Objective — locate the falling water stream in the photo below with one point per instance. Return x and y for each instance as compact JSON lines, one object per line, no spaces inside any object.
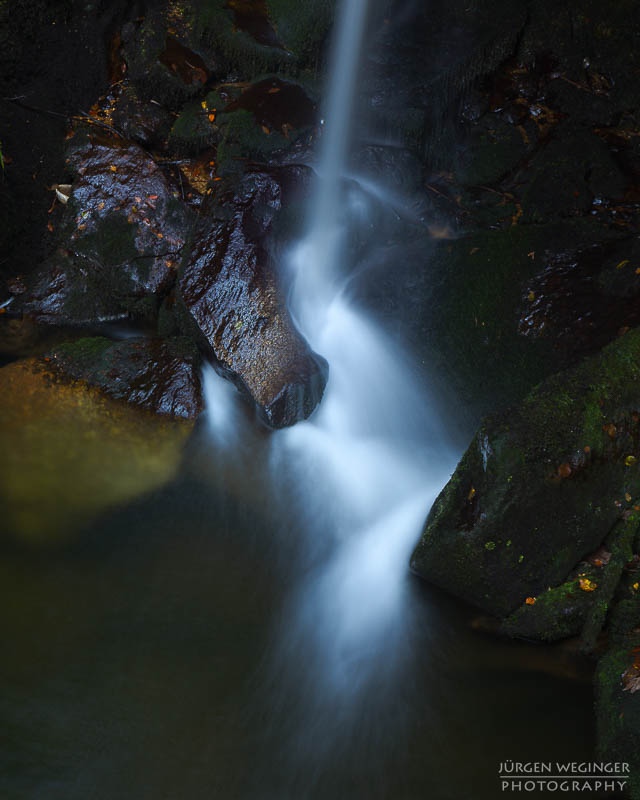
{"x":367,"y":465}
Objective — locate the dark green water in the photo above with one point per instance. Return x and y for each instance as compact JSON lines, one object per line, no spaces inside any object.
{"x":149,"y":658}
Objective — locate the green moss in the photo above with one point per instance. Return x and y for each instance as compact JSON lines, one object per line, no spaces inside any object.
{"x":557,"y":613}
{"x":618,"y":713}
{"x":242,"y":138}
{"x":85,"y":353}
{"x":192,"y":131}
{"x":303,"y":27}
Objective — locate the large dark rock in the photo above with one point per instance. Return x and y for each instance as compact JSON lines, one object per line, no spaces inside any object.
{"x":617,"y":681}
{"x":234,"y":299}
{"x":540,"y":486}
{"x":123,"y":230}
{"x":162,"y":376}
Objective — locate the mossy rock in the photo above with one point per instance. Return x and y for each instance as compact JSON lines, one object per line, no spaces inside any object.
{"x":473,"y":303}
{"x":192,"y":130}
{"x":540,"y":486}
{"x":557,"y":613}
{"x":618,"y":712}
{"x":242,"y":139}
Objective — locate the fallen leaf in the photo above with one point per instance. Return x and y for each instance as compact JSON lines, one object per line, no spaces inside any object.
{"x":63,"y":192}
{"x":564,"y":470}
{"x":471,"y":494}
{"x":212,"y":117}
{"x":588,"y":586}
{"x":113,"y":168}
{"x":275,"y":90}
{"x":531,"y":297}
{"x":627,"y":497}
{"x":50,"y":226}
{"x":630,"y":461}
{"x":631,"y":679}
{"x":622,"y":263}
{"x":610,"y":429}
{"x":265,"y":129}
{"x":530,"y":601}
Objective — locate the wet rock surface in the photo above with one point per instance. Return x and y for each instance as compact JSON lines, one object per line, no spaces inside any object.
{"x":180,"y":114}
{"x":123,"y":230}
{"x":160,"y":375}
{"x":526,"y":133}
{"x":230,"y":292}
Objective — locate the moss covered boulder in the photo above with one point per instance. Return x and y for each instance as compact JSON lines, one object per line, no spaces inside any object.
{"x":540,"y":486}
{"x":617,"y":680}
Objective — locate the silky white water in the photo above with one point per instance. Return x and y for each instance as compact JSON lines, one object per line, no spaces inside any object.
{"x":356,"y":480}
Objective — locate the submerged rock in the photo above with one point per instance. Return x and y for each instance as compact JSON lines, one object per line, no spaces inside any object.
{"x":70,"y":453}
{"x":159,"y":375}
{"x":540,"y":486}
{"x":233,"y":298}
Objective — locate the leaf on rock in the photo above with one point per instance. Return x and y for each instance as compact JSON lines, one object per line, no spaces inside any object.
{"x":631,"y":680}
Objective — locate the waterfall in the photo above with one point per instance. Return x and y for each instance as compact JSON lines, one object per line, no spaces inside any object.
{"x":355,"y":481}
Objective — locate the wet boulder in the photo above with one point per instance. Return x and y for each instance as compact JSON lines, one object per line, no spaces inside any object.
{"x":122,"y":232}
{"x":541,"y":486}
{"x":160,"y":375}
{"x":146,"y":122}
{"x":234,"y":302}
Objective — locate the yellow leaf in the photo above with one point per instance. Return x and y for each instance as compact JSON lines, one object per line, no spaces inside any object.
{"x":622,"y":263}
{"x":630,"y":461}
